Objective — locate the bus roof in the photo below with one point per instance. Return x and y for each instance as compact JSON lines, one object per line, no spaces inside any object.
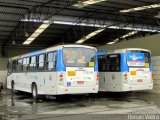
{"x":125,"y":49}
{"x":48,"y":50}
{"x":103,"y":52}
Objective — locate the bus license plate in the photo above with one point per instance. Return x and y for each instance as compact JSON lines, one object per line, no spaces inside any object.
{"x":80,"y":82}
{"x":139,"y":80}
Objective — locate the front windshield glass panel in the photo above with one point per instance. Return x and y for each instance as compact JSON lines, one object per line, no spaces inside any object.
{"x":79,"y":57}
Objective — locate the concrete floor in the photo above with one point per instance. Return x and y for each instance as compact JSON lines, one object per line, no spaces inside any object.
{"x":113,"y":106}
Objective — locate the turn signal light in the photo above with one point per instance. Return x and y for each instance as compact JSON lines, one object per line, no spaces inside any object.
{"x":61,"y":77}
{"x":97,"y":76}
{"x":125,"y":76}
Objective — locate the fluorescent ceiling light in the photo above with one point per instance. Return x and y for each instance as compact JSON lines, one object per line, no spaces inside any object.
{"x":124,"y":36}
{"x":27,"y":42}
{"x":36,"y":33}
{"x":110,"y":43}
{"x":131,"y":28}
{"x":30,"y":39}
{"x":89,"y":36}
{"x":129,"y":34}
{"x":158,"y":15}
{"x":39,"y":30}
{"x":44,"y":26}
{"x":34,"y":20}
{"x":81,"y":40}
{"x":80,"y":24}
{"x":81,"y":4}
{"x":140,"y":8}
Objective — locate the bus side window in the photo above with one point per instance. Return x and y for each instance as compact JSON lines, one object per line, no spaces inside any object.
{"x":102,"y":63}
{"x":32,"y":66}
{"x":41,"y":62}
{"x":9,"y":66}
{"x":55,"y":59}
{"x":14,"y":64}
{"x":19,"y":65}
{"x":25,"y":64}
{"x":113,"y":62}
{"x":51,"y":61}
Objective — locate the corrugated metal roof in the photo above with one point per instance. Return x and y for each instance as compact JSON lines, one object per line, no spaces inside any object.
{"x":12,"y":12}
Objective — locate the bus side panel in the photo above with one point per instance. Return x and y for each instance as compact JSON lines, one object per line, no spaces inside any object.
{"x":111,"y":81}
{"x":46,"y":82}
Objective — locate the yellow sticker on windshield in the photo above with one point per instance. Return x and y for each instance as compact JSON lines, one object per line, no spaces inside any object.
{"x":91,"y":64}
{"x":147,"y":64}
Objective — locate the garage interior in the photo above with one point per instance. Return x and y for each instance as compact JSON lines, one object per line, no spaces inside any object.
{"x":29,"y":25}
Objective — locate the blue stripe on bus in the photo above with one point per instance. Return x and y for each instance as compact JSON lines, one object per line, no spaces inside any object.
{"x":96,"y":65}
{"x":102,"y":52}
{"x":151,"y":67}
{"x":60,"y":65}
{"x":124,"y":66}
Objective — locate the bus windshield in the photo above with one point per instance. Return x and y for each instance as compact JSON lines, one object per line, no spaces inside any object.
{"x":138,"y":58}
{"x":79,"y":57}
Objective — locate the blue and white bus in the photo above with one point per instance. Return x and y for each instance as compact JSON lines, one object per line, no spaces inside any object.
{"x":125,"y":70}
{"x":63,"y":69}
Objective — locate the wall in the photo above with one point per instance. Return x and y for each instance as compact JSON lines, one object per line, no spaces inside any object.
{"x":3,"y":70}
{"x":150,"y":42}
{"x":156,"y":74}
{"x":14,"y":51}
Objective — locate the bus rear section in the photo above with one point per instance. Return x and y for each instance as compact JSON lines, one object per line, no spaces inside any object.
{"x":80,"y":73}
{"x":125,"y":70}
{"x":139,"y":75}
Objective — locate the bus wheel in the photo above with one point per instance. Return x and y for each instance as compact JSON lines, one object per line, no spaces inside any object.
{"x":34,"y":92}
{"x":12,"y":87}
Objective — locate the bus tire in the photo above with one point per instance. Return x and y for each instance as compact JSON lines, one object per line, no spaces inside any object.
{"x":34,"y":92}
{"x":12,"y":87}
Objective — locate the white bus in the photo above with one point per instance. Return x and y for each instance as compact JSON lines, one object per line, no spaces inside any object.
{"x":125,"y":70}
{"x":63,"y":69}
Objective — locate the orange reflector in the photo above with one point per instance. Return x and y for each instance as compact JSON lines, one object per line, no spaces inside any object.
{"x":71,"y":73}
{"x":132,"y":72}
